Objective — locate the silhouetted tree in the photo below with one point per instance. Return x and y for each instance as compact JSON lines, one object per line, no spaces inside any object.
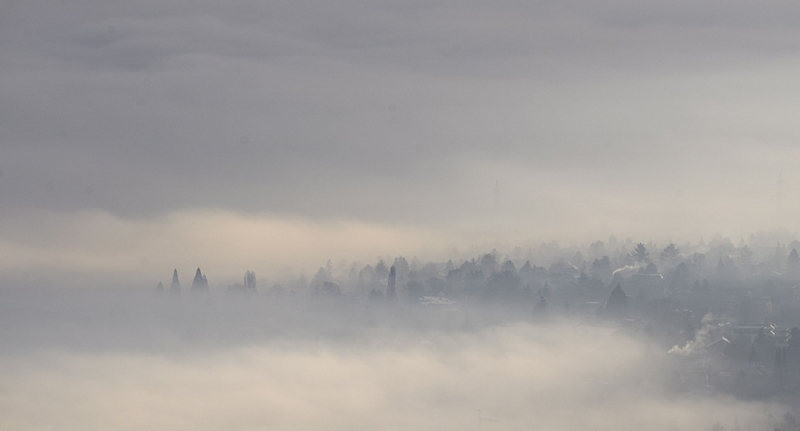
{"x":200,"y":283}
{"x":617,"y":304}
{"x":175,"y":287}
{"x":597,"y":248}
{"x":488,"y":263}
{"x":250,"y":280}
{"x":527,"y":272}
{"x":745,"y":256}
{"x":381,"y":270}
{"x":319,"y":278}
{"x":366,"y":276}
{"x":697,"y":260}
{"x":651,"y":268}
{"x":503,"y":285}
{"x":793,"y":262}
{"x":601,"y":267}
{"x":401,"y":266}
{"x":670,"y":253}
{"x":640,"y":254}
{"x":329,"y":288}
{"x":541,"y":303}
{"x":390,"y":293}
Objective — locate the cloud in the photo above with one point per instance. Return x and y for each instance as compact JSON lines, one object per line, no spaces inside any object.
{"x":588,"y":114}
{"x":526,"y":376}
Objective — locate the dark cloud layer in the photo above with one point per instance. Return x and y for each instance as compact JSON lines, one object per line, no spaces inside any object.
{"x":392,"y":111}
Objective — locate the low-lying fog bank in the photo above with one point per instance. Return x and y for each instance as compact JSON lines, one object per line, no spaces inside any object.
{"x":115,"y":362}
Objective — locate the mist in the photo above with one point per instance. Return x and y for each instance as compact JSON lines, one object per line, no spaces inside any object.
{"x":302,"y":214}
{"x":119,"y":362}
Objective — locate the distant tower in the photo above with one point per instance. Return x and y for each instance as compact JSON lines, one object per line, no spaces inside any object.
{"x":175,"y":287}
{"x":392,"y":282}
{"x":780,"y":192}
{"x":160,"y":288}
{"x":496,"y":192}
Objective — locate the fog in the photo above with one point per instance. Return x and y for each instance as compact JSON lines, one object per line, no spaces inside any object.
{"x":612,"y":335}
{"x":304,"y":214}
{"x":130,"y":362}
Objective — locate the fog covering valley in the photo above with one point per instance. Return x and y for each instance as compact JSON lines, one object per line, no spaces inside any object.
{"x":413,"y":215}
{"x":701,"y":338}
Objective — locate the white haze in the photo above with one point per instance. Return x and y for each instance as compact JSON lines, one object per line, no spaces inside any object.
{"x":130,"y":362}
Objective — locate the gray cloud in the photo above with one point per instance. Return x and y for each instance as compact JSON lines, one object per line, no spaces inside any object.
{"x":383,"y":111}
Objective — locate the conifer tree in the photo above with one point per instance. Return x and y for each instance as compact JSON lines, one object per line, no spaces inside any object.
{"x":390,"y":294}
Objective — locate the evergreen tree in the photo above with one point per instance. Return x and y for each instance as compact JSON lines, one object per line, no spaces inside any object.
{"x":401,"y":266}
{"x":200,"y":283}
{"x":745,"y":256}
{"x":250,"y":280}
{"x":640,"y":254}
{"x":320,"y":277}
{"x":488,"y":263}
{"x":390,"y":293}
{"x":651,"y":268}
{"x":617,"y":304}
{"x":793,"y":262}
{"x":670,"y":253}
{"x":541,"y":304}
{"x":175,"y":287}
{"x":381,"y":270}
{"x":527,"y":272}
{"x":329,"y":288}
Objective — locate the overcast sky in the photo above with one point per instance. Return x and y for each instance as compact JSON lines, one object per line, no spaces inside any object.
{"x":136,"y":135}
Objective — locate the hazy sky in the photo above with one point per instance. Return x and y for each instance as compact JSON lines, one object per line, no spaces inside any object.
{"x":135,"y":136}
